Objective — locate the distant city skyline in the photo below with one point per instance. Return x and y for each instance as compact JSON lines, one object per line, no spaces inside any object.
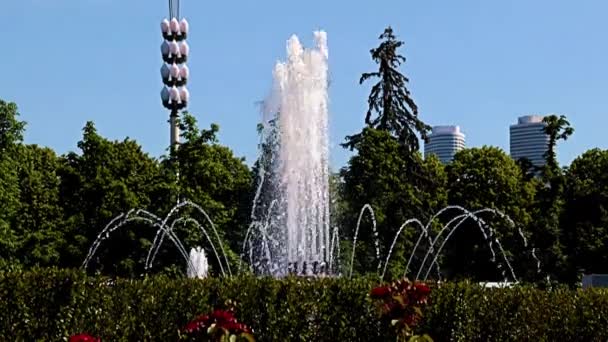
{"x":527,"y":139}
{"x":477,"y":64}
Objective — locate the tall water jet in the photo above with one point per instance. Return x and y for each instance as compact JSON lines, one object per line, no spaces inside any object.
{"x":296,"y":119}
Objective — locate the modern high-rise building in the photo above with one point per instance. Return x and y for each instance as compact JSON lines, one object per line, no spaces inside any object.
{"x":444,"y":142}
{"x":529,"y":140}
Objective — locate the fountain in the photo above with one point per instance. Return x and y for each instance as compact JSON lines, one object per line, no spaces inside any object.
{"x":165,"y":227}
{"x":290,"y":228}
{"x":451,"y":227}
{"x":296,"y":239}
{"x":197,"y":265}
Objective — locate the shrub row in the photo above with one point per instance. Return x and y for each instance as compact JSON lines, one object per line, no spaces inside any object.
{"x":465,"y":312}
{"x":50,"y":305}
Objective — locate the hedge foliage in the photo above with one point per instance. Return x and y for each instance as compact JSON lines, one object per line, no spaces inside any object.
{"x":49,"y":305}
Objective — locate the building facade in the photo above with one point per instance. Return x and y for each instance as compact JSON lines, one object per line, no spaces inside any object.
{"x":444,"y":142}
{"x":529,"y":140}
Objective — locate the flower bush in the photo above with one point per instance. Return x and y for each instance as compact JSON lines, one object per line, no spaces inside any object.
{"x":220,"y":325}
{"x":400,"y":304}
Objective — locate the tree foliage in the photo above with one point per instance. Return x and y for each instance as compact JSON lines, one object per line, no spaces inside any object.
{"x":39,"y":221}
{"x":389,"y":99}
{"x":377,"y":175}
{"x":54,"y":207}
{"x":263,"y":169}
{"x":104,"y":180}
{"x":388,"y":172}
{"x":548,"y":207}
{"x":211,"y":176}
{"x":11,"y":129}
{"x":557,"y":128}
{"x":11,"y":135}
{"x":481,"y":178}
{"x":585,"y":216}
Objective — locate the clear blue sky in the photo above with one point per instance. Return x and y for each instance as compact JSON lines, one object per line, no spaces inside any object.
{"x":476,"y":63}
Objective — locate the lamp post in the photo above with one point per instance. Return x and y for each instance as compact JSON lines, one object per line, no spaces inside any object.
{"x":174,"y":72}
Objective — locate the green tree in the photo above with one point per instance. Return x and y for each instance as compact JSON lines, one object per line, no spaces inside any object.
{"x":11,"y":129}
{"x":557,"y":128}
{"x":39,"y":222}
{"x":211,"y":176}
{"x":549,"y":199}
{"x":392,"y":176}
{"x":377,"y":175}
{"x":585,"y":216}
{"x":481,"y":178}
{"x":528,"y":170}
{"x":11,"y":135}
{"x":30,"y":215}
{"x":391,"y":101}
{"x":263,"y":188}
{"x":9,"y":197}
{"x":108,"y":178}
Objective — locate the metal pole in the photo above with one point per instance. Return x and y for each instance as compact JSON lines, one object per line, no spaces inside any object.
{"x":174,"y":129}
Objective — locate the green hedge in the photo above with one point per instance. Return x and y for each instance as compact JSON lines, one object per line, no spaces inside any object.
{"x":49,"y":305}
{"x":463,"y":312}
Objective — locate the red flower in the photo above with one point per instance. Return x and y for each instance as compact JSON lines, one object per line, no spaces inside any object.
{"x":222,"y":316}
{"x":83,"y":338}
{"x":422,"y":289}
{"x":223,"y":319}
{"x":420,"y":293}
{"x":380,"y":292}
